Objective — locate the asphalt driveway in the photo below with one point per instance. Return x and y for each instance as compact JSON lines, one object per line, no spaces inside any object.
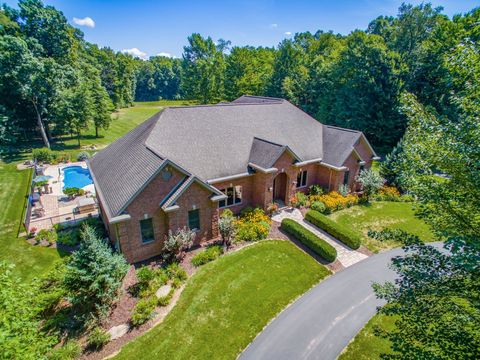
{"x":322,"y":322}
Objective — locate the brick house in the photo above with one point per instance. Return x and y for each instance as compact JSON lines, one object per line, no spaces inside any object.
{"x":184,"y":165}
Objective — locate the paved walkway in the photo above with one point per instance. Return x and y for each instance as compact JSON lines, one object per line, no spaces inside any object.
{"x":346,"y":256}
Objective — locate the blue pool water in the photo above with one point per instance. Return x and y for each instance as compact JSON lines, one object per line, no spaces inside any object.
{"x":76,"y":177}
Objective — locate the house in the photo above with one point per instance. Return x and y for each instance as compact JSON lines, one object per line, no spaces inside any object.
{"x":184,"y":165}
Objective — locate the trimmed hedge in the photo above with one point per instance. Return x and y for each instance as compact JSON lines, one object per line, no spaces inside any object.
{"x":344,"y":234}
{"x":306,"y":237}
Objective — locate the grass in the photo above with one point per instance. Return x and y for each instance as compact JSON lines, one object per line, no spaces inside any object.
{"x":30,"y":261}
{"x":380,"y":215}
{"x":366,"y":345}
{"x":228,"y":302}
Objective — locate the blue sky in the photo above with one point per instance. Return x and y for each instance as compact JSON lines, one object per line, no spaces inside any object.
{"x":155,"y":27}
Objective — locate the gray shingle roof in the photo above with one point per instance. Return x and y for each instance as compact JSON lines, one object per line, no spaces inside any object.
{"x":264,"y":153}
{"x":215,"y":141}
{"x":338,"y":144}
{"x":124,"y":167}
{"x":211,"y":142}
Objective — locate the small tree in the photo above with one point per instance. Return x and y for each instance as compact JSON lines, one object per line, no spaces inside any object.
{"x":226,"y":227}
{"x":176,"y":243}
{"x":371,"y":182}
{"x":94,"y":274}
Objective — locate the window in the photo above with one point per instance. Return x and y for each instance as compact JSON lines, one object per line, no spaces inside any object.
{"x":302,"y":179}
{"x":362,"y":167}
{"x":194,"y":219}
{"x":146,"y":228}
{"x":234,"y":196}
{"x":345,"y":177}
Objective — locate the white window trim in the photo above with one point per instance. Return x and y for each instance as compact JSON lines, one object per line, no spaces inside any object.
{"x":234,"y":204}
{"x":306,"y":179}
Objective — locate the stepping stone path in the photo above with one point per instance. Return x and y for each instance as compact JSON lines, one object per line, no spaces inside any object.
{"x":163,"y":291}
{"x":118,"y":331}
{"x":346,"y":256}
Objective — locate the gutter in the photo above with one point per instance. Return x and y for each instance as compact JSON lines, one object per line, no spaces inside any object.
{"x":333,"y":167}
{"x":263,"y":170}
{"x":306,"y":162}
{"x":120,"y":218}
{"x":226,"y":178}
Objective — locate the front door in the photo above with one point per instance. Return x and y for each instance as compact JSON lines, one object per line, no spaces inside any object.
{"x":280,"y":187}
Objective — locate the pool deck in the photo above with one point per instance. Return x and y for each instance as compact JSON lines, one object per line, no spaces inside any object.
{"x":56,"y":207}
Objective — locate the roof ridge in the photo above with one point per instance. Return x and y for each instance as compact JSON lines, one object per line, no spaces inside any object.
{"x":262,"y":97}
{"x":270,"y":142}
{"x":276,"y":102}
{"x":344,"y":129}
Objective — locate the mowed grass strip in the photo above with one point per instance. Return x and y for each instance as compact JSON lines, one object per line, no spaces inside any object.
{"x":380,"y":215}
{"x":368,"y":346}
{"x":228,"y":302}
{"x":30,"y":261}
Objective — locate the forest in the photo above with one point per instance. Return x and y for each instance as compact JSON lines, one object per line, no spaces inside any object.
{"x":54,"y":83}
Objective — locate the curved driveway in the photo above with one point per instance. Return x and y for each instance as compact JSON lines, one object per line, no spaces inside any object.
{"x":321,"y":323}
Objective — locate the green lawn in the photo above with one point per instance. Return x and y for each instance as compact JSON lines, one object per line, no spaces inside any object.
{"x":30,"y":260}
{"x":366,"y":345}
{"x":380,"y":215}
{"x":228,"y":302}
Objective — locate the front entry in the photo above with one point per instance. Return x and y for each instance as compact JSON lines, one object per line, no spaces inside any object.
{"x":280,"y":187}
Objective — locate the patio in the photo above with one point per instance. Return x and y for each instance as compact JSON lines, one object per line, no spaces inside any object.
{"x":51,"y":206}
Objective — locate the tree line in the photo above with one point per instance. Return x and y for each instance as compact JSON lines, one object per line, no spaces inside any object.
{"x":64,"y":84}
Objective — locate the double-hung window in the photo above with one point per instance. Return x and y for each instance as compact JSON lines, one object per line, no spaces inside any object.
{"x":146,"y":229}
{"x":345,"y":177}
{"x":234,"y":196}
{"x":194,"y":219}
{"x":302,"y":179}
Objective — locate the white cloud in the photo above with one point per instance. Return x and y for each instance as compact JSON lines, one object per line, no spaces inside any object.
{"x":288,"y":33}
{"x":135,"y":52}
{"x":165,"y":54}
{"x":86,"y":21}
{"x":273,"y":26}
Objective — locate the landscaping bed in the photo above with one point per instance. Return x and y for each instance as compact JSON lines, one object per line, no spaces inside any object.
{"x":228,"y":301}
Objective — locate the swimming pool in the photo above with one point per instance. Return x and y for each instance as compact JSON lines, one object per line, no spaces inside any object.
{"x":76,"y":177}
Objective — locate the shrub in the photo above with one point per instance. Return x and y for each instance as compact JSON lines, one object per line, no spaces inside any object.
{"x":175,"y":271}
{"x":271,"y":208}
{"x":72,"y":192}
{"x":143,"y":311}
{"x":47,"y":235}
{"x":176,"y":243}
{"x":83,"y":155}
{"x":306,"y":237}
{"x":343,"y":190}
{"x":253,"y":225}
{"x":301,"y":199}
{"x":371,"y":182}
{"x":344,"y":234}
{"x":315,"y":190}
{"x":318,"y":206}
{"x":207,"y":255}
{"x":43,"y":155}
{"x":69,"y":237}
{"x":388,"y":193}
{"x":97,"y":338}
{"x":69,"y":351}
{"x":94,"y":274}
{"x":226,"y":227}
{"x":334,"y":201}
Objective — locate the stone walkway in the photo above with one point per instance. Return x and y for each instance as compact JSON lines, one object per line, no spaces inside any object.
{"x":346,"y":256}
